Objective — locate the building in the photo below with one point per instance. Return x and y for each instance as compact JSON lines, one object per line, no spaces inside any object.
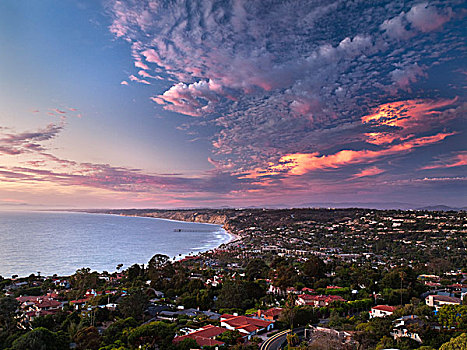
{"x":382,"y":311}
{"x":438,"y":301}
{"x":270,"y":314}
{"x":317,"y":300}
{"x":404,"y":327}
{"x":247,"y":326}
{"x":205,"y":336}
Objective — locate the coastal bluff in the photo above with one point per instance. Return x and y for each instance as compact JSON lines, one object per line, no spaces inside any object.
{"x":206,"y":216}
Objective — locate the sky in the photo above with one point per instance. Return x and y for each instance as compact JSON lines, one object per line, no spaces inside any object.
{"x":200,"y":103}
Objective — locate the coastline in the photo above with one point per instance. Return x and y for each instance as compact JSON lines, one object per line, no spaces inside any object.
{"x":216,"y":236}
{"x":232,"y":236}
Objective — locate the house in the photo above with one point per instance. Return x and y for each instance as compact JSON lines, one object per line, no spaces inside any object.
{"x":79,"y":303}
{"x":317,"y":300}
{"x":205,"y":336}
{"x":247,"y":326}
{"x":275,"y":290}
{"x":438,"y":301}
{"x":35,"y":306}
{"x":382,"y":311}
{"x":270,"y":314}
{"x":404,"y":327}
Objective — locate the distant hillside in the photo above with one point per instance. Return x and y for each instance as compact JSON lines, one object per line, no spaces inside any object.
{"x":441,"y":208}
{"x":363,"y":205}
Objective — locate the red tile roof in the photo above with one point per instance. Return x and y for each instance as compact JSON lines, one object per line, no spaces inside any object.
{"x":42,"y":304}
{"x":248,"y":327}
{"x":275,"y":311}
{"x":239,"y":321}
{"x":386,"y":308}
{"x":203,"y":336}
{"x":209,"y":331}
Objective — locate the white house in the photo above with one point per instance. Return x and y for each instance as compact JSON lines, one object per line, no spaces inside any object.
{"x":382,"y":311}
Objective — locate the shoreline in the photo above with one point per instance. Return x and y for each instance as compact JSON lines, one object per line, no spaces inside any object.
{"x":222,"y":237}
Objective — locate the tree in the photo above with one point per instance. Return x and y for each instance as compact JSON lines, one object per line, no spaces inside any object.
{"x":453,"y":316}
{"x":458,"y":343}
{"x":314,"y":267}
{"x":255,"y":269}
{"x":385,"y":343}
{"x":289,"y":312}
{"x":373,"y":331}
{"x":286,"y":277}
{"x":40,"y":339}
{"x":292,"y":340}
{"x":159,"y":268}
{"x":239,"y":294}
{"x":133,"y":305}
{"x":88,"y":339}
{"x":117,"y":329}
{"x":230,"y":337}
{"x":153,"y":333}
{"x":187,"y":344}
{"x":8,"y":307}
{"x":158,"y":261}
{"x":230,"y":295}
{"x":82,"y":280}
{"x":134,"y":271}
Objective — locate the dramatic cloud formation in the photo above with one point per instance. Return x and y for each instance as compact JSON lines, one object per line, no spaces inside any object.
{"x":281,"y":101}
{"x":274,"y":90}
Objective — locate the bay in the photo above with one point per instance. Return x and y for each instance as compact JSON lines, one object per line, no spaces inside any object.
{"x":62,"y":242}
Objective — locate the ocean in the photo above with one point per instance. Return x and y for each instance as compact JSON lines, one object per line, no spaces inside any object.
{"x":62,"y":242}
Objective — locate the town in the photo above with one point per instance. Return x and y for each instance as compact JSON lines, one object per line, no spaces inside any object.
{"x":290,"y":279}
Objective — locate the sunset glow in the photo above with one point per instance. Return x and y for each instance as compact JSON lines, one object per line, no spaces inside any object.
{"x":155,"y":104}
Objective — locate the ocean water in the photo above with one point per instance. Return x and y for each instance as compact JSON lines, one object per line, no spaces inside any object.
{"x":62,"y":242}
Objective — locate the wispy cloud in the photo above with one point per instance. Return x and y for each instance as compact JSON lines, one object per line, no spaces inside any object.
{"x":372,"y":171}
{"x":448,"y":161}
{"x":302,"y":163}
{"x":25,"y":142}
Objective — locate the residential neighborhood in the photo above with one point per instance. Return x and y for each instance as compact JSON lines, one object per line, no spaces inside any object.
{"x":322,"y":276}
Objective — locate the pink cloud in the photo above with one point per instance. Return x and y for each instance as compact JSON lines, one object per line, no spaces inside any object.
{"x":158,"y":100}
{"x":372,"y":171}
{"x":145,"y":74}
{"x":138,"y":80}
{"x":459,"y":159}
{"x":380,"y":138}
{"x":123,"y":82}
{"x":140,"y":64}
{"x":406,"y":119}
{"x":428,"y":18}
{"x":420,"y":18}
{"x":27,"y":142}
{"x":403,"y":77}
{"x":302,"y":163}
{"x":152,"y":56}
{"x":192,"y":99}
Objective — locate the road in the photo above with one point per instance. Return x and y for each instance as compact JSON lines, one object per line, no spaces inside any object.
{"x":276,"y":341}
